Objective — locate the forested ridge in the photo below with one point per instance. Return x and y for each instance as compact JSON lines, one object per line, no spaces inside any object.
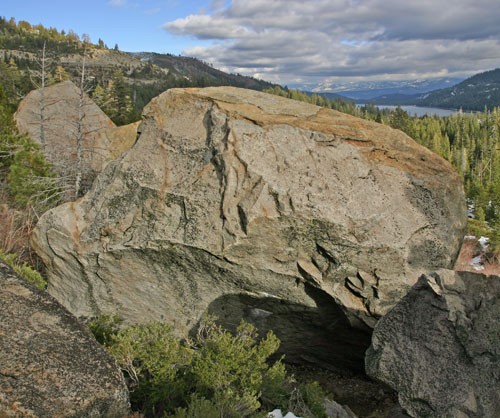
{"x":120,"y":82}
{"x":479,"y":92}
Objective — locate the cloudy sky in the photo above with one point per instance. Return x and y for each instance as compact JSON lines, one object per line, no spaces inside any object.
{"x":308,"y":42}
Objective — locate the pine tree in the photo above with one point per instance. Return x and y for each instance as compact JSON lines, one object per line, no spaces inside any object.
{"x":60,"y":74}
{"x":121,"y":105}
{"x":102,"y":99}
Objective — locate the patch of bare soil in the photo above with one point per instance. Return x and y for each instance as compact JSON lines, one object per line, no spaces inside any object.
{"x":470,"y":250}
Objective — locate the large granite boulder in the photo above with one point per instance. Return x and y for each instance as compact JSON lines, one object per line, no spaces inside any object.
{"x":50,"y":364}
{"x":297,"y":218}
{"x":60,"y":119}
{"x":440,"y":347}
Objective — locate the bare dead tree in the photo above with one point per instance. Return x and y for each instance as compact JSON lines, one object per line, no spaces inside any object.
{"x":79,"y":130}
{"x":38,"y":77}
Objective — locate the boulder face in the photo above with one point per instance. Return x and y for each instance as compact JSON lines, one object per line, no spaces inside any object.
{"x":249,"y":205}
{"x":110,"y":143}
{"x":57,"y":116}
{"x":440,"y":347}
{"x":50,"y":365}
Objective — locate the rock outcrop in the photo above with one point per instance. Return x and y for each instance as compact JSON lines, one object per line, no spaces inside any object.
{"x":440,"y":347}
{"x":58,"y":117}
{"x":50,"y":365}
{"x":295,"y":217}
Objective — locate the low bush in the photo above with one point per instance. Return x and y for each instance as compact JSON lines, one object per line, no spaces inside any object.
{"x":31,"y":180}
{"x":104,"y":328}
{"x":215,"y":374}
{"x":24,"y":270}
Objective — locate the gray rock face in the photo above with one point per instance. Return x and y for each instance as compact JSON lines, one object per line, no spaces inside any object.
{"x":50,"y":365}
{"x":294,"y":217}
{"x":440,"y":347}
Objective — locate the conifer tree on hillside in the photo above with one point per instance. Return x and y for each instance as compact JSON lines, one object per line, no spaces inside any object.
{"x":120,"y":106}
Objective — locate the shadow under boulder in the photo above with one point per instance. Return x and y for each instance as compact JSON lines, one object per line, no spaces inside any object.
{"x":318,"y":335}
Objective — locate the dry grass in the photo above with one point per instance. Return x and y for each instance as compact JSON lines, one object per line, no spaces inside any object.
{"x":470,"y":249}
{"x":16,"y":227}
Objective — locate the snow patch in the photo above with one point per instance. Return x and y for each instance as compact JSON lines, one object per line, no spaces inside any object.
{"x":483,"y":241}
{"x":476,"y":263}
{"x":278,"y":414}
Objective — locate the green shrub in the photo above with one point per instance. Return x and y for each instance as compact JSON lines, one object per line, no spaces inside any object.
{"x":154,"y":362}
{"x":30,"y":177}
{"x":104,"y":328}
{"x":494,"y":243}
{"x":198,"y":408}
{"x":492,"y":231}
{"x":24,"y":270}
{"x":231,"y":368}
{"x":215,"y":374}
{"x":276,"y":387}
{"x":314,"y":397}
{"x":10,"y":144}
{"x":477,"y":227}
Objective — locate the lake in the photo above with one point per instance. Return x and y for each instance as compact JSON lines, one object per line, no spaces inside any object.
{"x":419,"y":110}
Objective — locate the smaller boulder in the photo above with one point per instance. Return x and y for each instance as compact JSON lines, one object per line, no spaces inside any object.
{"x":439,"y":347}
{"x":74,"y":134}
{"x":50,"y":364}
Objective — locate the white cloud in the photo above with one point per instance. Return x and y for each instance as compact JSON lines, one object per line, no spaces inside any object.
{"x":206,"y":27}
{"x":117,"y":3}
{"x":314,"y":40}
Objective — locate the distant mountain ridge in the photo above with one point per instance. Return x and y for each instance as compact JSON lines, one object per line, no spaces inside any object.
{"x":475,"y":93}
{"x":367,"y":90}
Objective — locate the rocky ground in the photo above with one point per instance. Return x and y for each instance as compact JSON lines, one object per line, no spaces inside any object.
{"x":366,"y":398}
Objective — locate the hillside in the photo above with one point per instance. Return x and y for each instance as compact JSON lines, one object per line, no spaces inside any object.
{"x":26,"y":48}
{"x":199,"y":71}
{"x":475,"y":93}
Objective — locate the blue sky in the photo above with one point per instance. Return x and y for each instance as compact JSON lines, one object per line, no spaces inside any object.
{"x":315,"y":44}
{"x":134,"y":25}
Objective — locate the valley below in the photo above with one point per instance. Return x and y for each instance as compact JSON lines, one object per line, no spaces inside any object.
{"x":417,"y":111}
